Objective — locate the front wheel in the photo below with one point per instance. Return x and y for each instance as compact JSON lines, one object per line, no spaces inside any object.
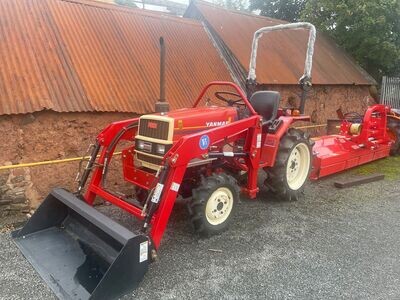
{"x":292,"y":166}
{"x":213,"y":204}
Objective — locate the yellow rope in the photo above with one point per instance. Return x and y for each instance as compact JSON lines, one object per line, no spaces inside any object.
{"x":311,"y":126}
{"x":60,"y":161}
{"x":47,"y":162}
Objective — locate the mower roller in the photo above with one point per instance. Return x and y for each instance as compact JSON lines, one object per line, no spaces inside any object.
{"x":198,"y":154}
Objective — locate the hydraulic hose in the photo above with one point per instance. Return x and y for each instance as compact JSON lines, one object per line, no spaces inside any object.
{"x":113,"y":143}
{"x":86,"y":172}
{"x":155,"y":197}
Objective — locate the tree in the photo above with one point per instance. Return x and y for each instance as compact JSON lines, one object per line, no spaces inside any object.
{"x":289,"y":10}
{"x":369,"y":30}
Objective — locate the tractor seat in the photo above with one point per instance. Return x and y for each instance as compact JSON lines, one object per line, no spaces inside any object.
{"x":266,"y":104}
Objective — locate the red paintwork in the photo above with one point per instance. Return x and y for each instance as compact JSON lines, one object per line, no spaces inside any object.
{"x":185,"y":148}
{"x":335,"y":153}
{"x":270,"y":142}
{"x":192,"y":119}
{"x":134,"y":175}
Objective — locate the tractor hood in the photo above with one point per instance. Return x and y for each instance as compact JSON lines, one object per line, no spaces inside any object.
{"x":158,"y":132}
{"x":189,"y":120}
{"x":201,"y":118}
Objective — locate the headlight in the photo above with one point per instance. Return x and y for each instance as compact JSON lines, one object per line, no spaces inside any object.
{"x":139,"y":144}
{"x":160,"y":149}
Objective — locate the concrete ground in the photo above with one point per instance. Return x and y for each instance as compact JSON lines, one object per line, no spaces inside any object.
{"x":333,"y":244}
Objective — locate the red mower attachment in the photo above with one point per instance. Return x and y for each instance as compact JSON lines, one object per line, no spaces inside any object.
{"x":362,"y":139}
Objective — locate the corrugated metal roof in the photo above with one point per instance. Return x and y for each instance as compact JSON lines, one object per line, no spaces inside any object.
{"x":281,"y":55}
{"x":89,"y":56}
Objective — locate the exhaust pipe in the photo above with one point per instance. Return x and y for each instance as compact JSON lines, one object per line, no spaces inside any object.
{"x":162,"y":105}
{"x":81,"y":253}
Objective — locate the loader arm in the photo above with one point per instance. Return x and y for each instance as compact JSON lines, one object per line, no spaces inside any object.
{"x":187,"y":148}
{"x":107,"y":135}
{"x":107,"y":140}
{"x":176,"y":160}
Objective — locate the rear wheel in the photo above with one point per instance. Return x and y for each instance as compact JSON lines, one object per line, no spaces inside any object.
{"x":213,"y":204}
{"x":394,"y":133}
{"x":292,"y":166}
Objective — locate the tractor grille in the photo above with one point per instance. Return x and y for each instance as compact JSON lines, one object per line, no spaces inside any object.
{"x":155,"y":129}
{"x":149,"y":159}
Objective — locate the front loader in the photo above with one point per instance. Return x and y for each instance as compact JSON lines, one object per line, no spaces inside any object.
{"x":199,"y":154}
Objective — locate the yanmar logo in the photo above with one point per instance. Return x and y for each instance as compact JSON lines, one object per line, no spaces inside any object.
{"x":216,"y":123}
{"x":152,"y":125}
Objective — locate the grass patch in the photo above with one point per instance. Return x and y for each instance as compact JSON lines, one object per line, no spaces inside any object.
{"x":389,"y":166}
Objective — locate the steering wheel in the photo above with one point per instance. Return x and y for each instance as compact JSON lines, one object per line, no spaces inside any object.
{"x":223,"y":96}
{"x":353,"y":116}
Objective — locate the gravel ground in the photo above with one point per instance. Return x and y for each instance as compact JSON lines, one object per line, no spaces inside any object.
{"x":333,"y":244}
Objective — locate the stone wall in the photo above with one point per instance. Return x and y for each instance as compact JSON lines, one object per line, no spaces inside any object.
{"x":49,"y":136}
{"x":15,"y":188}
{"x":323,"y":101}
{"x":46,"y":136}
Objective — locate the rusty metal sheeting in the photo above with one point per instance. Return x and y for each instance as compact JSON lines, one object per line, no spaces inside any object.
{"x":281,"y":54}
{"x":88,"y":56}
{"x":390,"y":91}
{"x":34,"y":72}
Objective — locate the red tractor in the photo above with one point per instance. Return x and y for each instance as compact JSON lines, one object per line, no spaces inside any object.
{"x":195,"y":153}
{"x":199,"y":154}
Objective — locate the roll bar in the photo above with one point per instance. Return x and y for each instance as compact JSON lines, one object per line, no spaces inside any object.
{"x":305,"y":79}
{"x":310,"y":47}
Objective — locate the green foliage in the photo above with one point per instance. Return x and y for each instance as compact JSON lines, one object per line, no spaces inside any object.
{"x":369,"y":30}
{"x":389,"y":166}
{"x":130,"y":3}
{"x":289,"y":10}
{"x":233,"y":4}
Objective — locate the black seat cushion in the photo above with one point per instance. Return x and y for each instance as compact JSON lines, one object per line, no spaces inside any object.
{"x":266,"y":104}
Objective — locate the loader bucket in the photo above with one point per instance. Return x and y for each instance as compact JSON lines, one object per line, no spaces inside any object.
{"x":81,"y":253}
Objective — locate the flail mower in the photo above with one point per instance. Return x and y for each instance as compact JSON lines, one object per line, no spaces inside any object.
{"x":361,"y":139}
{"x":197,"y":154}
